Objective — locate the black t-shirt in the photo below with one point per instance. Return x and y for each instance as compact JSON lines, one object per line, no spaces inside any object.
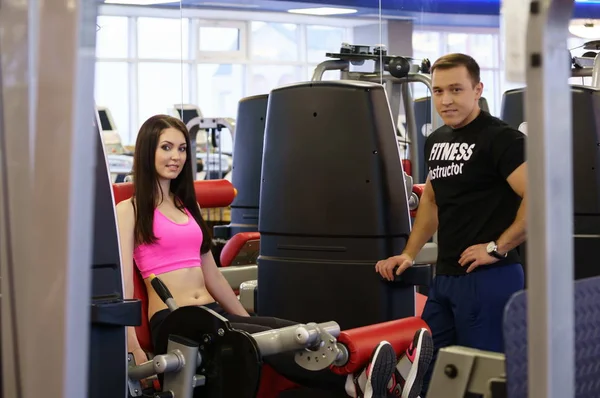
{"x":468,"y":168}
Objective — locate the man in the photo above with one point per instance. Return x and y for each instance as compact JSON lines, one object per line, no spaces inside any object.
{"x":475,"y":199}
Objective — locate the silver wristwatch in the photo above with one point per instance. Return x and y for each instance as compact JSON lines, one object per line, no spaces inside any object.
{"x":492,"y":250}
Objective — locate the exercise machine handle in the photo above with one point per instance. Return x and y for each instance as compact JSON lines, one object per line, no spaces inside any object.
{"x":163,"y":292}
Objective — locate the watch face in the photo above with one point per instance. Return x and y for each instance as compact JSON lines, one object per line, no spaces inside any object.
{"x":491,"y":247}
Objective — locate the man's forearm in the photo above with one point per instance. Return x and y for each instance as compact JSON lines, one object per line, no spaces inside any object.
{"x":426,"y":223}
{"x":516,"y":233}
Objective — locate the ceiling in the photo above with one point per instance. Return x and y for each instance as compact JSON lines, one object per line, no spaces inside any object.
{"x":423,"y":12}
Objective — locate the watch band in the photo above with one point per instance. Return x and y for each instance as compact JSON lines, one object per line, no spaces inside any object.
{"x":494,"y":251}
{"x":498,"y":255}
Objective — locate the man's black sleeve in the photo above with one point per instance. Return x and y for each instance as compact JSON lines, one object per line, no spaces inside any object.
{"x":508,"y":151}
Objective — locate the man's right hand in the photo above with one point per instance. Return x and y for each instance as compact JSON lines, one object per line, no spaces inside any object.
{"x":386,"y":267}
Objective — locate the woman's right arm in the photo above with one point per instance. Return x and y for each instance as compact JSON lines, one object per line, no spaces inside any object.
{"x":126,"y":224}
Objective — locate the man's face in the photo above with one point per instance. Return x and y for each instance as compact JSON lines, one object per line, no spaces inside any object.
{"x":455,"y":97}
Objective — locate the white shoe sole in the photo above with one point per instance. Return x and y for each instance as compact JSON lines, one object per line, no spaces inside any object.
{"x":423,"y":356}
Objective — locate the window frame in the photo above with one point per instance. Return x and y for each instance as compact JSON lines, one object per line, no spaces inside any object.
{"x":221,"y":57}
{"x":496,"y":70}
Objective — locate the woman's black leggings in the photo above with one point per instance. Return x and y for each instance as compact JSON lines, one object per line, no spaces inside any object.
{"x":283,"y":363}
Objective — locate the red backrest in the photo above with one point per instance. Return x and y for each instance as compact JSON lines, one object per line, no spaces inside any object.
{"x":209,"y":194}
{"x":407,"y":166}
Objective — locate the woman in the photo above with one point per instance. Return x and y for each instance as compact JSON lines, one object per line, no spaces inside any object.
{"x":162,"y":229}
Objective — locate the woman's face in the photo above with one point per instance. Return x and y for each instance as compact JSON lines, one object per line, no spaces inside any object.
{"x":170,"y":153}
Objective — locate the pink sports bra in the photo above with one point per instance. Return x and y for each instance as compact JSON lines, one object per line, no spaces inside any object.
{"x":177,"y":246}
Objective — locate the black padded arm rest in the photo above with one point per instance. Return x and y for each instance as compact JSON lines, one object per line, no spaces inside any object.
{"x":117,"y":313}
{"x":222,"y":232}
{"x":417,"y":275}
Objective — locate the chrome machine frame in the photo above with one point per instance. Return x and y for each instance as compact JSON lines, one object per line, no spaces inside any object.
{"x":551,"y":331}
{"x":47,"y":195}
{"x":211,"y":125}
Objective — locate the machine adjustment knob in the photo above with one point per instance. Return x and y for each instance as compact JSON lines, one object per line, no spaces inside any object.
{"x":451,"y":371}
{"x":399,"y":67}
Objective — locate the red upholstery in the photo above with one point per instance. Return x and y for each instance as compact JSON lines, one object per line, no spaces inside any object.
{"x":407,"y":166}
{"x":214,"y":193}
{"x":418,"y":189}
{"x":233,"y":247}
{"x":360,"y":342}
{"x":272,"y":383}
{"x":209,"y":193}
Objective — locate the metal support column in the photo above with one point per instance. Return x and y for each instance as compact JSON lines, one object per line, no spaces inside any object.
{"x":550,"y":220}
{"x":16,"y":196}
{"x":46,"y":195}
{"x":411,"y":126}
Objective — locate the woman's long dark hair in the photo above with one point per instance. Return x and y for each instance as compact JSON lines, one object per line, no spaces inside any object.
{"x":147,"y":190}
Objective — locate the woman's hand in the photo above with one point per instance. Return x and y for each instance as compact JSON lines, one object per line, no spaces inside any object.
{"x":139,"y":356}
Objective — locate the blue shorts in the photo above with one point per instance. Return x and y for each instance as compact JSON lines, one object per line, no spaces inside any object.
{"x":468,"y":310}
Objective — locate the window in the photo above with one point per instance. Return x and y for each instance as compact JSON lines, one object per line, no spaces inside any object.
{"x":214,"y":38}
{"x":321,"y":40}
{"x":457,"y":43}
{"x":220,"y":88}
{"x":147,"y":64}
{"x":111,"y":37}
{"x":112,"y":91}
{"x":484,"y":48}
{"x":420,"y":90}
{"x":278,"y":42}
{"x":426,"y":45}
{"x":264,"y":78}
{"x":328,"y":75}
{"x":506,"y":85}
{"x":160,"y":88}
{"x":221,"y":41}
{"x":163,"y":38}
{"x":490,"y":90}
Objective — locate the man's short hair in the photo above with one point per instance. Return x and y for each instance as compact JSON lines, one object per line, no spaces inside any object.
{"x":455,"y":60}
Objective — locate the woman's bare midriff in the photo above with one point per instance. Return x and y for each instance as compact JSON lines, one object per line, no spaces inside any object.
{"x":186,"y":286}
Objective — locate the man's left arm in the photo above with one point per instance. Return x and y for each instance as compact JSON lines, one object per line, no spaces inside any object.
{"x":508,"y":153}
{"x":516,"y":233}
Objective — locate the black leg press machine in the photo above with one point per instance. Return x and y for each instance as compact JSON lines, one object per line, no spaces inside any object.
{"x":199,"y":354}
{"x":193,"y":338}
